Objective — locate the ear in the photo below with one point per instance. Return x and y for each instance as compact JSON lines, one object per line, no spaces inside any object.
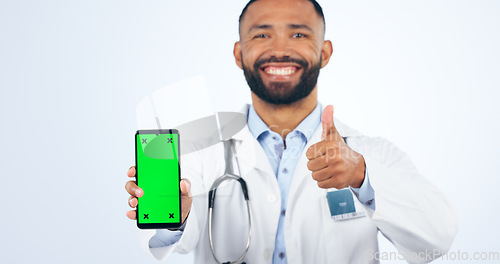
{"x":326,"y":52}
{"x":237,"y":54}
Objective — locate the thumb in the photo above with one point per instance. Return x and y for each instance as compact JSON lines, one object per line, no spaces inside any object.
{"x":185,"y":187}
{"x":329,"y":129}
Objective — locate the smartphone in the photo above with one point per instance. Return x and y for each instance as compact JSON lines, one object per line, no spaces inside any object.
{"x":158,"y":169}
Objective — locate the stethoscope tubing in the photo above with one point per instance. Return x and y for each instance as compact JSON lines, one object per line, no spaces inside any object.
{"x":228,"y":175}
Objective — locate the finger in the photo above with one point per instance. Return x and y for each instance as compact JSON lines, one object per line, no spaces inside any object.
{"x":131,"y":171}
{"x":332,"y":149}
{"x":332,"y":171}
{"x":317,"y":150}
{"x":329,"y":129}
{"x":132,"y":201}
{"x":317,"y":163}
{"x":332,"y":182}
{"x":131,"y":214}
{"x":187,"y":199}
{"x":185,"y":187}
{"x":322,"y":174}
{"x":133,"y":189}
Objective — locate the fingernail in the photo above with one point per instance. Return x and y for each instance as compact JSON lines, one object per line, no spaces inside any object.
{"x":184,"y":186}
{"x":138,"y":192}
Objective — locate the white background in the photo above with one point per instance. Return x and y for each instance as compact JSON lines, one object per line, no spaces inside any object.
{"x":423,"y":74}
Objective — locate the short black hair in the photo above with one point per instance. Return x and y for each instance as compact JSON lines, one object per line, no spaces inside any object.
{"x":317,"y":7}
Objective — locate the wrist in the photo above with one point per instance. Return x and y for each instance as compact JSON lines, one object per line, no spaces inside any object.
{"x":359,"y":175}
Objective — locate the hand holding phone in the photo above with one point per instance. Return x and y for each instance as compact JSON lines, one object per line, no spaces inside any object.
{"x":136,"y":192}
{"x":162,"y":200}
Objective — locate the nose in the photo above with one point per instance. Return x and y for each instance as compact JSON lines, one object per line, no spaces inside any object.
{"x":280,"y":47}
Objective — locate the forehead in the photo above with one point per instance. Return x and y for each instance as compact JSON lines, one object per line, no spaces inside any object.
{"x":281,"y":12}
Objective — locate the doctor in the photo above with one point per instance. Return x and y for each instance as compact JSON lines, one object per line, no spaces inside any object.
{"x":293,"y":155}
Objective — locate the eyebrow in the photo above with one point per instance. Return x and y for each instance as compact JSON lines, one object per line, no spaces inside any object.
{"x":300,"y":26}
{"x":255,"y":27}
{"x":292,"y":26}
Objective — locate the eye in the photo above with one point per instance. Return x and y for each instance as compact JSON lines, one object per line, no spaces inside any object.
{"x":261,"y":36}
{"x":299,"y":35}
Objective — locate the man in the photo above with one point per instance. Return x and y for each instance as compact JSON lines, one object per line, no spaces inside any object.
{"x":292,"y":163}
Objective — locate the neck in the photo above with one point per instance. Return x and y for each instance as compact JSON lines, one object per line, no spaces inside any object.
{"x":283,"y":119}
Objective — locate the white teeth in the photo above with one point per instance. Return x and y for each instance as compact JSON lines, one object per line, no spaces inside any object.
{"x":280,"y":71}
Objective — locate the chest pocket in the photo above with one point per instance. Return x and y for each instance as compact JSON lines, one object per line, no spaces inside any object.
{"x":349,"y":240}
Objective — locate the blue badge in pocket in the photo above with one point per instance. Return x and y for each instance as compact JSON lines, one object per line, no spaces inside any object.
{"x":342,"y":205}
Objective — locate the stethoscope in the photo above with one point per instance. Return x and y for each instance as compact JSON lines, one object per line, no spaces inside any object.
{"x":229,"y":174}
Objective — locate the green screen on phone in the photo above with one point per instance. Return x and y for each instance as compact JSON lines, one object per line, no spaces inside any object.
{"x":158,"y":174}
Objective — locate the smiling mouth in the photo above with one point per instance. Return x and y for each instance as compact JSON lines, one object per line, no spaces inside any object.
{"x":280,"y":71}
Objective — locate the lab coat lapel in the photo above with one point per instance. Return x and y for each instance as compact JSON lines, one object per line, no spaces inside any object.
{"x":249,"y":152}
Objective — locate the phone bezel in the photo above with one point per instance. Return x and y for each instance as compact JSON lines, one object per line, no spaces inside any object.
{"x":158,"y":225}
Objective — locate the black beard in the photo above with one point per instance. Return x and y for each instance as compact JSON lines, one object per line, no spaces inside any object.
{"x":281,"y":93}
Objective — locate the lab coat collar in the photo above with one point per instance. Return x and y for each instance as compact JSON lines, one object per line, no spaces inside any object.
{"x":248,"y":149}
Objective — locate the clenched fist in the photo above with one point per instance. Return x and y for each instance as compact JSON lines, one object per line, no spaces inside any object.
{"x":332,"y":162}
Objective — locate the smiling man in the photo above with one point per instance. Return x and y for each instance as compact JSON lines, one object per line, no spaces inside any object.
{"x":283,"y":55}
{"x":281,"y":51}
{"x":319,"y":191}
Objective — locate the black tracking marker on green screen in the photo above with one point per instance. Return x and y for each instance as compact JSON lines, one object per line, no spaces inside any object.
{"x":158,"y":174}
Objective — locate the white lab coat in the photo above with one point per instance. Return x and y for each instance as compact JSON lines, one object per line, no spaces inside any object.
{"x":410,"y":211}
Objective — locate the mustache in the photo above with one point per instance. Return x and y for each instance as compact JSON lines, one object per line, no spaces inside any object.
{"x":300,"y":62}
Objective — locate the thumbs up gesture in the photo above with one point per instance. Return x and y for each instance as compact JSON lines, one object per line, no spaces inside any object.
{"x":334,"y":164}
